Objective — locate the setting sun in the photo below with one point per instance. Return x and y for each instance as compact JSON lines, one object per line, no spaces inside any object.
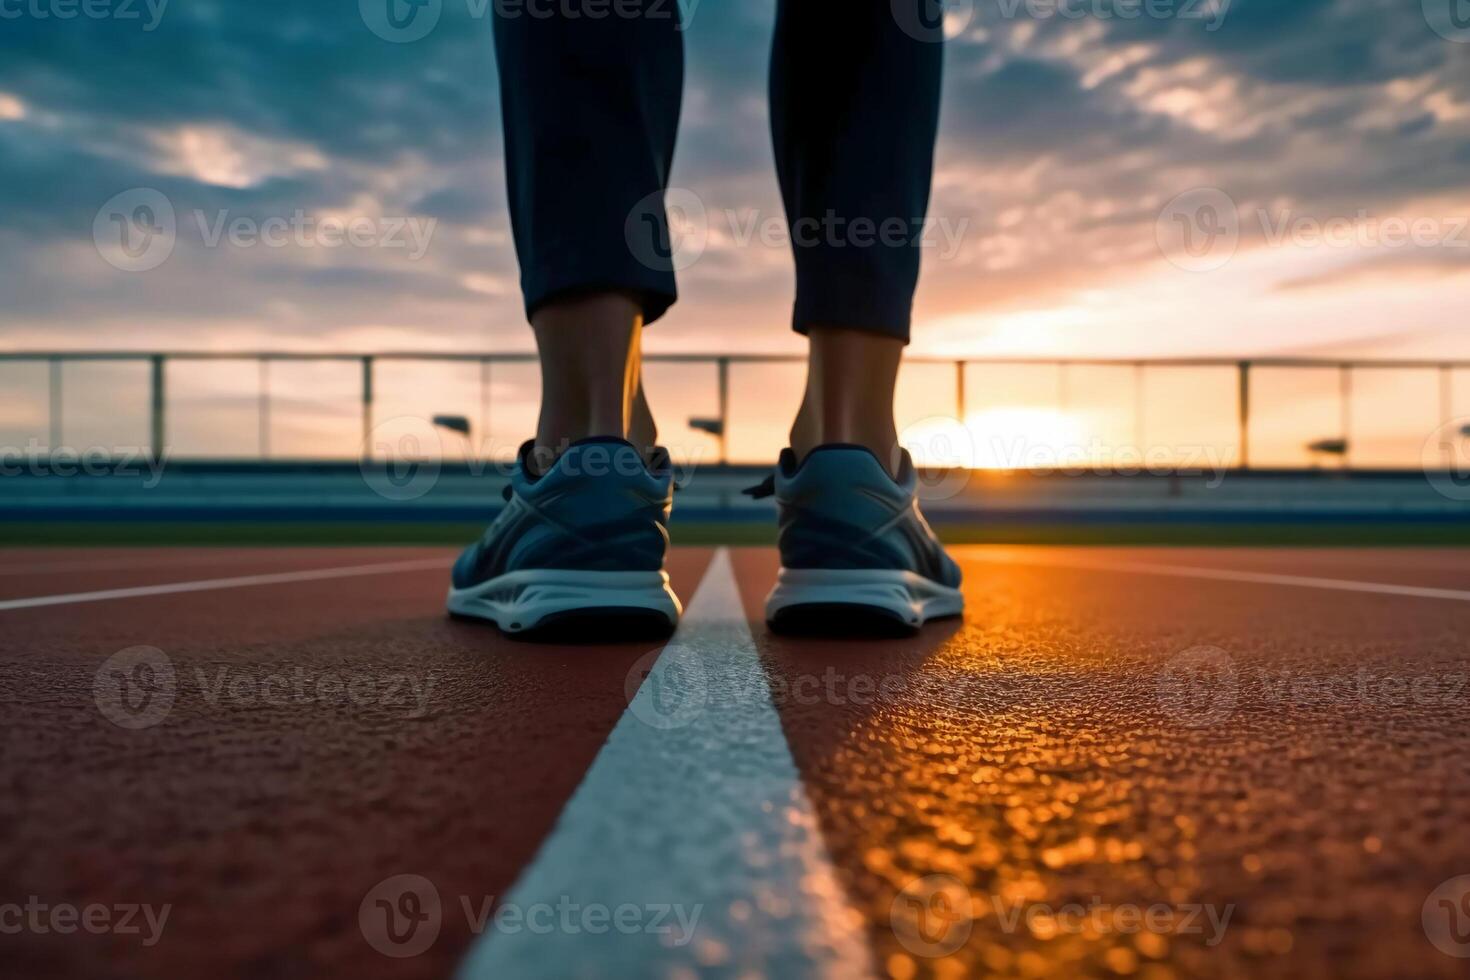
{"x":1002,"y":438}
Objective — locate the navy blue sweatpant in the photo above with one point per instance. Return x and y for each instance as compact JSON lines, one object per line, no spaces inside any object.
{"x":591,"y":110}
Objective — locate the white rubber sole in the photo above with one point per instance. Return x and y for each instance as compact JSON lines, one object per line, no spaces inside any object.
{"x":903,"y":596}
{"x":521,"y":601}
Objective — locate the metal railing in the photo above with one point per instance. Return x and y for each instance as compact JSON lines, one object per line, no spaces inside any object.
{"x":159,"y":361}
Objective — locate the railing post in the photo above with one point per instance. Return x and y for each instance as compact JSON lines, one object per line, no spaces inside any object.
{"x":959,"y":392}
{"x":1345,"y":393}
{"x":1446,"y":411}
{"x":157,"y":426}
{"x":264,"y":410}
{"x":1244,"y":436}
{"x":722,"y":366}
{"x":54,"y":393}
{"x":481,"y":448}
{"x":1140,"y":412}
{"x":367,"y":408}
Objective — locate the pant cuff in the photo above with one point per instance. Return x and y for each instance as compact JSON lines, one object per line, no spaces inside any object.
{"x":561,"y":273}
{"x":853,"y":302}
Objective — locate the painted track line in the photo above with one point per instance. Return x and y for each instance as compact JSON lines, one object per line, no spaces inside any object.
{"x":237,"y":582}
{"x":131,"y":564}
{"x":693,"y":805}
{"x":1222,"y":575}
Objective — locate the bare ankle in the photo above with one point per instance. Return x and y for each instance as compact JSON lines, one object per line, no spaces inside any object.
{"x":590,"y":363}
{"x":851,"y":379}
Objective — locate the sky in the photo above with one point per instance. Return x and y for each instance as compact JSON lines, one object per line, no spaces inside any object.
{"x":1115,"y":178}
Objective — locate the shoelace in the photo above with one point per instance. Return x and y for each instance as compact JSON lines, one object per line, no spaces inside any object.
{"x":762,"y":490}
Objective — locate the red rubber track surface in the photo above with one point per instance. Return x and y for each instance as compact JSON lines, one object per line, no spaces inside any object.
{"x":1318,"y":785}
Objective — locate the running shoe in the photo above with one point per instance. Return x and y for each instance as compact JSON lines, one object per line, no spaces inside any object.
{"x":854,"y":548}
{"x":581,"y":545}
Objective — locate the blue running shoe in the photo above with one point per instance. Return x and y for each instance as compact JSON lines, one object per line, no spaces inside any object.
{"x":854,"y":546}
{"x":581,"y":546}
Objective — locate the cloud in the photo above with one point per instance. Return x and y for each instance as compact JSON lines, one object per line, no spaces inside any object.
{"x":1063,"y":136}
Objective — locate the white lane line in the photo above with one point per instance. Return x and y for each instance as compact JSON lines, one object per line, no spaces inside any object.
{"x":238,"y":582}
{"x":23,"y":567}
{"x":143,"y":560}
{"x":692,"y":821}
{"x":1222,"y":575}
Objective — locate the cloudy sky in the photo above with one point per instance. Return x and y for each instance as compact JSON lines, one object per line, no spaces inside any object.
{"x":1115,"y":177}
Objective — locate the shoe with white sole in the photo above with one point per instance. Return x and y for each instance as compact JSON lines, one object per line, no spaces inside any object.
{"x":854,"y":546}
{"x":580,"y":547}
